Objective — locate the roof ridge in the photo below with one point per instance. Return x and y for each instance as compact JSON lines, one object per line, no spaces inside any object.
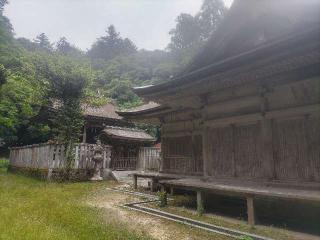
{"x":124,"y":128}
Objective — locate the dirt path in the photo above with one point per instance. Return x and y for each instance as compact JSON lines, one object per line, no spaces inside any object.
{"x":143,"y":224}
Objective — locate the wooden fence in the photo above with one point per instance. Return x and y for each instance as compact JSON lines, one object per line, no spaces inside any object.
{"x":51,"y":156}
{"x":149,"y":159}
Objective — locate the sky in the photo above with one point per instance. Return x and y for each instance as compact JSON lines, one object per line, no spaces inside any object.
{"x":146,"y":22}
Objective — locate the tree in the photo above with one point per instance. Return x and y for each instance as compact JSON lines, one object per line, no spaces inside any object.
{"x":2,"y":4}
{"x":67,"y":88}
{"x":3,"y":75}
{"x":209,"y":17}
{"x":43,"y":42}
{"x":111,"y":46}
{"x":191,"y":32}
{"x":185,"y":34}
{"x":66,"y":48}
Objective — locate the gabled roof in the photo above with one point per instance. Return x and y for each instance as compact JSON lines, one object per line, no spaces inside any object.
{"x":128,"y":134}
{"x":106,"y":111}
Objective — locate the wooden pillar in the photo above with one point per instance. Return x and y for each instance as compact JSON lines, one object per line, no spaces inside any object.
{"x":206,"y":164}
{"x":233,"y":149}
{"x":135,"y":181}
{"x":84,"y":136}
{"x":171,"y":191}
{"x":250,"y":211}
{"x":163,"y":145}
{"x":153,"y":186}
{"x":267,"y":160}
{"x":200,"y":203}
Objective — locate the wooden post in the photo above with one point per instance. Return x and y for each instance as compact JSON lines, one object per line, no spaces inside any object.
{"x":84,"y":136}
{"x":267,"y":149}
{"x":171,"y":191}
{"x":250,"y":211}
{"x":153,"y":186}
{"x":135,"y":181}
{"x":206,"y":165}
{"x":200,"y":204}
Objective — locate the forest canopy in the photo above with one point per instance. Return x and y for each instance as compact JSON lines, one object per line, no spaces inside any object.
{"x":33,"y":73}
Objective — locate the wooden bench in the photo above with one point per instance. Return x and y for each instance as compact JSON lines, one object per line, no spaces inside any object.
{"x":248,"y":190}
{"x":154,"y":176}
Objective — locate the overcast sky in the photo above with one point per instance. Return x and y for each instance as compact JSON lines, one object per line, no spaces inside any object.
{"x":145,"y":22}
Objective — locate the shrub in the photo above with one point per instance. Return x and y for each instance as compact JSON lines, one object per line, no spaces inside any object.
{"x":162,"y":195}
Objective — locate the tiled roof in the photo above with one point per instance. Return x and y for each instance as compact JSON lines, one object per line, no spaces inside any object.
{"x":144,"y":107}
{"x":127,"y":134}
{"x":105,"y":111}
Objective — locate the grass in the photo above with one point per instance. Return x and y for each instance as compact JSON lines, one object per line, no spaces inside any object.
{"x":33,"y":209}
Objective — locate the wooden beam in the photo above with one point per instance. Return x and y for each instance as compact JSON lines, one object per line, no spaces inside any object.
{"x":233,"y":120}
{"x":294,"y":111}
{"x":253,"y":117}
{"x":233,"y":103}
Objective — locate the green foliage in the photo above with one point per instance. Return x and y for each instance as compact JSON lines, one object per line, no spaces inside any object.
{"x":67,"y":83}
{"x":15,"y":106}
{"x":4,"y":163}
{"x":245,"y":238}
{"x":43,"y":42}
{"x":191,"y":32}
{"x":67,"y":49}
{"x":163,"y":201}
{"x":3,"y":74}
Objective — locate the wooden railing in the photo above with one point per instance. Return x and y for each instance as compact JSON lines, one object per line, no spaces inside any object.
{"x":124,"y":163}
{"x":52,"y":156}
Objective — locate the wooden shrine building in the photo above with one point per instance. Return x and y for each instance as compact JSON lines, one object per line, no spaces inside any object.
{"x":105,"y":123}
{"x":97,"y":118}
{"x":244,"y":117}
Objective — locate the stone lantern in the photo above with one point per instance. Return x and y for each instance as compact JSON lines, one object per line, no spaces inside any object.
{"x":98,"y":159}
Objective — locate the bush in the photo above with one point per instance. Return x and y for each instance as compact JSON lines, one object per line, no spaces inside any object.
{"x":4,"y":163}
{"x":162,"y":195}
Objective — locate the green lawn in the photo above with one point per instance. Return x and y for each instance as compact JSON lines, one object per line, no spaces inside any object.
{"x":32,"y":209}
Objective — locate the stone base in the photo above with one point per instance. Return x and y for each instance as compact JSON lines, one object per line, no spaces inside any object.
{"x":107,"y":174}
{"x":96,"y":178}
